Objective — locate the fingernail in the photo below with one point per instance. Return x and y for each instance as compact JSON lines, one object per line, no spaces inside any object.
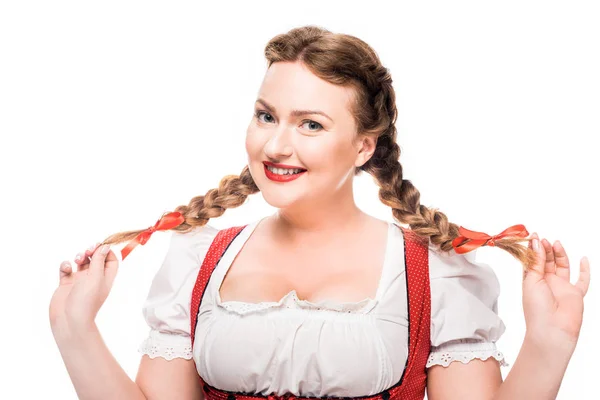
{"x":536,"y":245}
{"x":77,"y":257}
{"x":105,"y":249}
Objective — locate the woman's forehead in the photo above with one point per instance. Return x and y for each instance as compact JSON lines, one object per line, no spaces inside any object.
{"x":291,"y":86}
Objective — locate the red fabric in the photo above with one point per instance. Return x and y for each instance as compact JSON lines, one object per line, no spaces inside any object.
{"x":470,"y":240}
{"x":166,"y":222}
{"x":413,"y":381}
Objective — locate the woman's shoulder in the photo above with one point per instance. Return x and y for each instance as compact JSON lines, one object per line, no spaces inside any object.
{"x":473,"y":274}
{"x":465,"y":323}
{"x":194,"y":242}
{"x":196,"y":234}
{"x":449,"y":264}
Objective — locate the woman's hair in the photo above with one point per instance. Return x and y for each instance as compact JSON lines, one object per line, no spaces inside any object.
{"x":345,"y":60}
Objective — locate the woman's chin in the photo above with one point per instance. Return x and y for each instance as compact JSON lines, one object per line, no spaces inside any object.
{"x":279,"y":200}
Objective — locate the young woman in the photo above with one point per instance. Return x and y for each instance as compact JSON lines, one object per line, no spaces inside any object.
{"x":320,"y":299}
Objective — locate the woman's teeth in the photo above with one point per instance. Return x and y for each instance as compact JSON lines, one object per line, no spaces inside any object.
{"x":284,"y":171}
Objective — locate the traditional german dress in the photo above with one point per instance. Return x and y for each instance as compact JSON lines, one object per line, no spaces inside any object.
{"x":431,"y":308}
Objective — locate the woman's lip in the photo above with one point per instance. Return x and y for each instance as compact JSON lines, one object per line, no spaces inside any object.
{"x":281,"y":178}
{"x":282,"y":165}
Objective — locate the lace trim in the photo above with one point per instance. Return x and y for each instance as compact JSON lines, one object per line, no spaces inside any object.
{"x":154,"y":347}
{"x":445,"y":358}
{"x":291,"y":300}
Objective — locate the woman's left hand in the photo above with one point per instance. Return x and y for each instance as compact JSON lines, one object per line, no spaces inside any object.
{"x":553,"y":306}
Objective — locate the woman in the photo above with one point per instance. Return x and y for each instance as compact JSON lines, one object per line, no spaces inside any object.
{"x":321,"y":299}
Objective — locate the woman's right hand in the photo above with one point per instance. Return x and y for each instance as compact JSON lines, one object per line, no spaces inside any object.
{"x":79,"y":295}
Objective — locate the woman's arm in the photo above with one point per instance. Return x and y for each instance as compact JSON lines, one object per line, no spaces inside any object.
{"x":536,"y":374}
{"x":73,"y":308}
{"x":96,"y":374}
{"x":475,"y":380}
{"x":79,"y":296}
{"x":92,"y":368}
{"x":553,"y":309}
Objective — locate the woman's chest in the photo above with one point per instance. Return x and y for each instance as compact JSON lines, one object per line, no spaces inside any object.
{"x":262,"y":273}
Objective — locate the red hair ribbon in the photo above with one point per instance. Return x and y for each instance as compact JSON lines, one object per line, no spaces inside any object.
{"x":166,"y":222}
{"x":470,"y":240}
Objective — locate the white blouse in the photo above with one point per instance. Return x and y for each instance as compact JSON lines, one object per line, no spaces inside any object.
{"x":317,"y":349}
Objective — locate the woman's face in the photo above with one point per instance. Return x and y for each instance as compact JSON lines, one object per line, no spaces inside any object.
{"x":303,"y":122}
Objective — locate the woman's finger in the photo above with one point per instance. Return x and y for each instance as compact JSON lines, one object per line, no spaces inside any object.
{"x":98,"y":260}
{"x":90,"y":250}
{"x":79,"y":258}
{"x":537,"y":270}
{"x":563,"y":269}
{"x":583,"y":282}
{"x":549,"y":265}
{"x":530,"y":246}
{"x":82,"y":261}
{"x":65,"y":273}
{"x":111,"y":267}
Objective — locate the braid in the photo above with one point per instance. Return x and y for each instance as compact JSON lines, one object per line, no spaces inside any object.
{"x":232,"y":192}
{"x":376,"y":113}
{"x":404,"y":199}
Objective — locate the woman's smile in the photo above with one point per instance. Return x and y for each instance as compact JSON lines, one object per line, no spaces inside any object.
{"x":282,"y":174}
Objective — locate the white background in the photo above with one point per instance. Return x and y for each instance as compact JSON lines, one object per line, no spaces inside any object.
{"x":114,"y":112}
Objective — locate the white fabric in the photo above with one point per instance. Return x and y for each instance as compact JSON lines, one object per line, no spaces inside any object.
{"x":318,"y":349}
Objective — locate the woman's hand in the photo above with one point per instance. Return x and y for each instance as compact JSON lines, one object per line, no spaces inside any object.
{"x":553,"y":306}
{"x":79,"y":296}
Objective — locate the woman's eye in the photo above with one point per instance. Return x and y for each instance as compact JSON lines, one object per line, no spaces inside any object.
{"x":314,"y":124}
{"x":258,"y":114}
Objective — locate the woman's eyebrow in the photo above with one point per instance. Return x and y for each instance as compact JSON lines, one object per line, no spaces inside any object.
{"x":294,"y":113}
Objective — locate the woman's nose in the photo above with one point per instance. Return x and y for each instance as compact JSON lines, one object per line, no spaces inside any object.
{"x":279,"y":145}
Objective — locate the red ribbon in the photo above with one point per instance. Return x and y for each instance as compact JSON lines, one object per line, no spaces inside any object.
{"x":166,"y":222}
{"x":470,"y":240}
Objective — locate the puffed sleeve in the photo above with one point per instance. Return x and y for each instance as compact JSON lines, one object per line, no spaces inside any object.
{"x":464,"y":309}
{"x":167,"y":306}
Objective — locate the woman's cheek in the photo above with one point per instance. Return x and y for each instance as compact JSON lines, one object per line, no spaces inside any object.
{"x":253,"y":143}
{"x":316,"y":153}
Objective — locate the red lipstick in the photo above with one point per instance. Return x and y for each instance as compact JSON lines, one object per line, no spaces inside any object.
{"x":281,"y":178}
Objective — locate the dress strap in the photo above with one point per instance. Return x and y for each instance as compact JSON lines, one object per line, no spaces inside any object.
{"x":416,"y":257}
{"x":216,"y":250}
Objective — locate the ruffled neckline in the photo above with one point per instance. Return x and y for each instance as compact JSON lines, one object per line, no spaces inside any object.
{"x":291,"y":300}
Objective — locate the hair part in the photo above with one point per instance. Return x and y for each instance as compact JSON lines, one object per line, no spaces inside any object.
{"x":345,"y":60}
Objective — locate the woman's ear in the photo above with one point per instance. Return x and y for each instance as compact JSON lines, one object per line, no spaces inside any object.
{"x":367,"y":145}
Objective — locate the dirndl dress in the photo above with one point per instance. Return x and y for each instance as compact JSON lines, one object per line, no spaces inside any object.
{"x":412,"y":383}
